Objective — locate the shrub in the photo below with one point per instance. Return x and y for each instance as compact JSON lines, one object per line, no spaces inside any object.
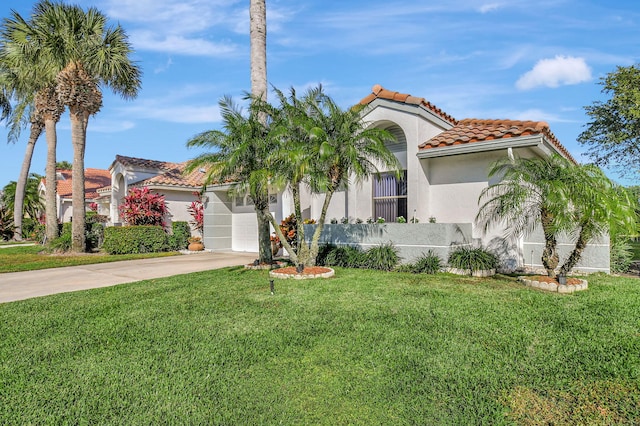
{"x":383,"y":257}
{"x":63,"y":241}
{"x":323,"y":252}
{"x":620,"y":254}
{"x":196,"y":210}
{"x":6,"y":223}
{"x":181,"y":233}
{"x":135,"y":239}
{"x":474,"y":259}
{"x":142,"y":207}
{"x":345,"y":256}
{"x":427,"y":263}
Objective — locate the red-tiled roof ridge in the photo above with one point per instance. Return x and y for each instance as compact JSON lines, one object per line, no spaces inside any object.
{"x":379,"y":92}
{"x":176,"y":177}
{"x":143,"y":162}
{"x":471,"y":130}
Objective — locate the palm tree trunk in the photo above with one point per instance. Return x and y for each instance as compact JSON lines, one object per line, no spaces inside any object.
{"x":315,"y":240}
{"x":51,"y":209}
{"x":21,"y":184}
{"x":258,"y":38}
{"x":550,"y":257}
{"x":578,"y":249}
{"x":261,"y":206}
{"x":79,"y":122}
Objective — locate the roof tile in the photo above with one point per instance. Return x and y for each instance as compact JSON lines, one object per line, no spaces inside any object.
{"x":379,"y":92}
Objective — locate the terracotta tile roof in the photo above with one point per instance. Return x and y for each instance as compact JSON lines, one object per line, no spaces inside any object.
{"x":175,"y":177}
{"x":379,"y":92}
{"x":472,"y":130}
{"x":143,"y":163}
{"x":94,"y":179}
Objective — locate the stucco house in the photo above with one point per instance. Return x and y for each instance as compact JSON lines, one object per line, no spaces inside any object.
{"x":94,"y":179}
{"x":445,"y":164}
{"x":107,"y":188}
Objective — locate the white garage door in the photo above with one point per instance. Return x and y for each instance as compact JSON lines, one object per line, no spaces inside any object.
{"x":244,"y":228}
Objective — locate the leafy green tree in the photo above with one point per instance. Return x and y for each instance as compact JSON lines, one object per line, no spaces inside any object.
{"x":325,"y":148}
{"x":33,"y":205}
{"x":82,"y":53}
{"x":531,"y":193}
{"x":613,"y":134}
{"x":239,"y":154}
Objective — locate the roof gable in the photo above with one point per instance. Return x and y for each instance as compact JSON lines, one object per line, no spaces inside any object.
{"x":93,"y":180}
{"x":379,"y":92}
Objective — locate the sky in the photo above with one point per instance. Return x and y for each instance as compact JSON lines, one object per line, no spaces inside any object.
{"x":490,"y":59}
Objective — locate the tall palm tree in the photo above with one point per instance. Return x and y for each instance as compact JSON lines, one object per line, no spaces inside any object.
{"x":239,"y":154}
{"x":85,"y":53}
{"x":27,"y":76}
{"x":532,"y":193}
{"x":258,"y":42}
{"x":325,"y":148}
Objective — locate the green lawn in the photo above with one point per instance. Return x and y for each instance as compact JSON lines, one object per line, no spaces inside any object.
{"x":29,"y":258}
{"x":362,"y":348}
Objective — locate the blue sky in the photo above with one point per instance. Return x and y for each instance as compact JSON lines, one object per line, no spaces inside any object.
{"x":499,"y":59}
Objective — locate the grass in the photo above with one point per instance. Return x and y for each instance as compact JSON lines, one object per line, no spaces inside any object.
{"x":29,"y":258}
{"x":362,"y":348}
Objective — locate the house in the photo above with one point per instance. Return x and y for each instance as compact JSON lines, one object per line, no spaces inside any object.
{"x":445,"y":164}
{"x":107,"y":188}
{"x":94,"y":179}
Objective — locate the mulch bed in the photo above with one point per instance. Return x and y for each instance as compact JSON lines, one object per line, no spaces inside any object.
{"x":308,"y":270}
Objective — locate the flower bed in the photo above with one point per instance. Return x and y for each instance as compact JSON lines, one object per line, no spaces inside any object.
{"x":308,"y":273}
{"x":549,"y":284}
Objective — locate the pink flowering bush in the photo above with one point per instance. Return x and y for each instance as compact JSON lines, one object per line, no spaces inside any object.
{"x":143,"y":207}
{"x":196,"y":210}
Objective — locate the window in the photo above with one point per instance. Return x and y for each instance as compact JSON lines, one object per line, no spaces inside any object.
{"x":390,"y":196}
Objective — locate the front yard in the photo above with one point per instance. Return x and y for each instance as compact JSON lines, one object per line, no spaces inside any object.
{"x":19,"y":257}
{"x":362,"y":348}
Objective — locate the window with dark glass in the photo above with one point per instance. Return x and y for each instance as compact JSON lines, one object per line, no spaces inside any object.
{"x":390,"y":196}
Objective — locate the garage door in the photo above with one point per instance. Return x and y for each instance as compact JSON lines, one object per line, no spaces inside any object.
{"x":244,"y":228}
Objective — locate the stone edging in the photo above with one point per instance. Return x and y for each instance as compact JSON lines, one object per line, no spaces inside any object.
{"x":555,"y":287}
{"x":297,"y":276}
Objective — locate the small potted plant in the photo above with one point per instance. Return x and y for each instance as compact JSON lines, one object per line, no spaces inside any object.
{"x":195,"y":244}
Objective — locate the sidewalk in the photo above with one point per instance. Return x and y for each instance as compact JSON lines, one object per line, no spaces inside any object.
{"x":24,"y":285}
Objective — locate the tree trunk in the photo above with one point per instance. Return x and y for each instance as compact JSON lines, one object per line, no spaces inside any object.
{"x":258,"y":39}
{"x":265,"y":255}
{"x":51,"y":208}
{"x":578,"y":249}
{"x":550,"y":257}
{"x":21,"y":184}
{"x":79,"y":122}
{"x":315,"y":240}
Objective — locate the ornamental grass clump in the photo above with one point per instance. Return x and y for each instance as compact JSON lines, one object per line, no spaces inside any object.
{"x":384,"y":257}
{"x":473,"y":259}
{"x":427,"y":263}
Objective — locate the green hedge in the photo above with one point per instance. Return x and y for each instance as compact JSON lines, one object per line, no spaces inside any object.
{"x":179,"y":239}
{"x":135,"y":239}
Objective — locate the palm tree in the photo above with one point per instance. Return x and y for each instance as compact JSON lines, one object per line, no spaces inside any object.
{"x":84,"y":53}
{"x":532,"y":193}
{"x":26,"y":75}
{"x":325,"y":148}
{"x":33,"y":205}
{"x":599,"y":206}
{"x":239,"y":155}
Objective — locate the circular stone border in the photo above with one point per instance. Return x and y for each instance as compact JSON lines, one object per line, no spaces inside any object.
{"x":296,"y":276}
{"x":555,"y":287}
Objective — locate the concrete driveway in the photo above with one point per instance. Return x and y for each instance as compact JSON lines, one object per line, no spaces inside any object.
{"x":24,"y":285}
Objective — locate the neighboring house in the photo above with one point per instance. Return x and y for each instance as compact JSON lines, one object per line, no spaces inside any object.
{"x":445,"y":165}
{"x":94,"y":179}
{"x":161,"y":177}
{"x":107,"y":188}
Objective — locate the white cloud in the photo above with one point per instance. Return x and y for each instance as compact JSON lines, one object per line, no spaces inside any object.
{"x":559,"y":71}
{"x":489,"y":7}
{"x":110,"y":126}
{"x":178,"y":44}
